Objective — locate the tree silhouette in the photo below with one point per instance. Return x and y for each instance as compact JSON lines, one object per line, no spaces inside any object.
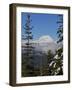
{"x":60,"y":50}
{"x":59,"y":53}
{"x":27,"y":50}
{"x":56,"y":65}
{"x":60,"y":28}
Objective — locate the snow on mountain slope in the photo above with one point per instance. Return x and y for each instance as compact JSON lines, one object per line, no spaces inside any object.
{"x":44,"y":43}
{"x":46,"y":39}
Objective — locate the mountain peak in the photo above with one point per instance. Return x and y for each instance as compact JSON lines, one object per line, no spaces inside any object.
{"x":46,"y":39}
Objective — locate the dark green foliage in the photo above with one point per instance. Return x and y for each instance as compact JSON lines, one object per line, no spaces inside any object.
{"x":50,"y":56}
{"x":57,"y":67}
{"x":48,"y":68}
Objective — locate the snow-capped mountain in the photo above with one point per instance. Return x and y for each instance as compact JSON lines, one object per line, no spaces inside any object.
{"x":47,"y":43}
{"x":44,"y":43}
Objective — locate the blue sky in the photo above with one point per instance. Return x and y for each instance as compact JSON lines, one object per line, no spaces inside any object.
{"x":44,"y":24}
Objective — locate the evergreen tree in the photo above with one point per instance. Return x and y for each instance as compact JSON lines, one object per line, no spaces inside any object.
{"x":27,"y":50}
{"x":58,"y":66}
{"x":60,"y":28}
{"x":60,"y":50}
{"x":48,"y":67}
